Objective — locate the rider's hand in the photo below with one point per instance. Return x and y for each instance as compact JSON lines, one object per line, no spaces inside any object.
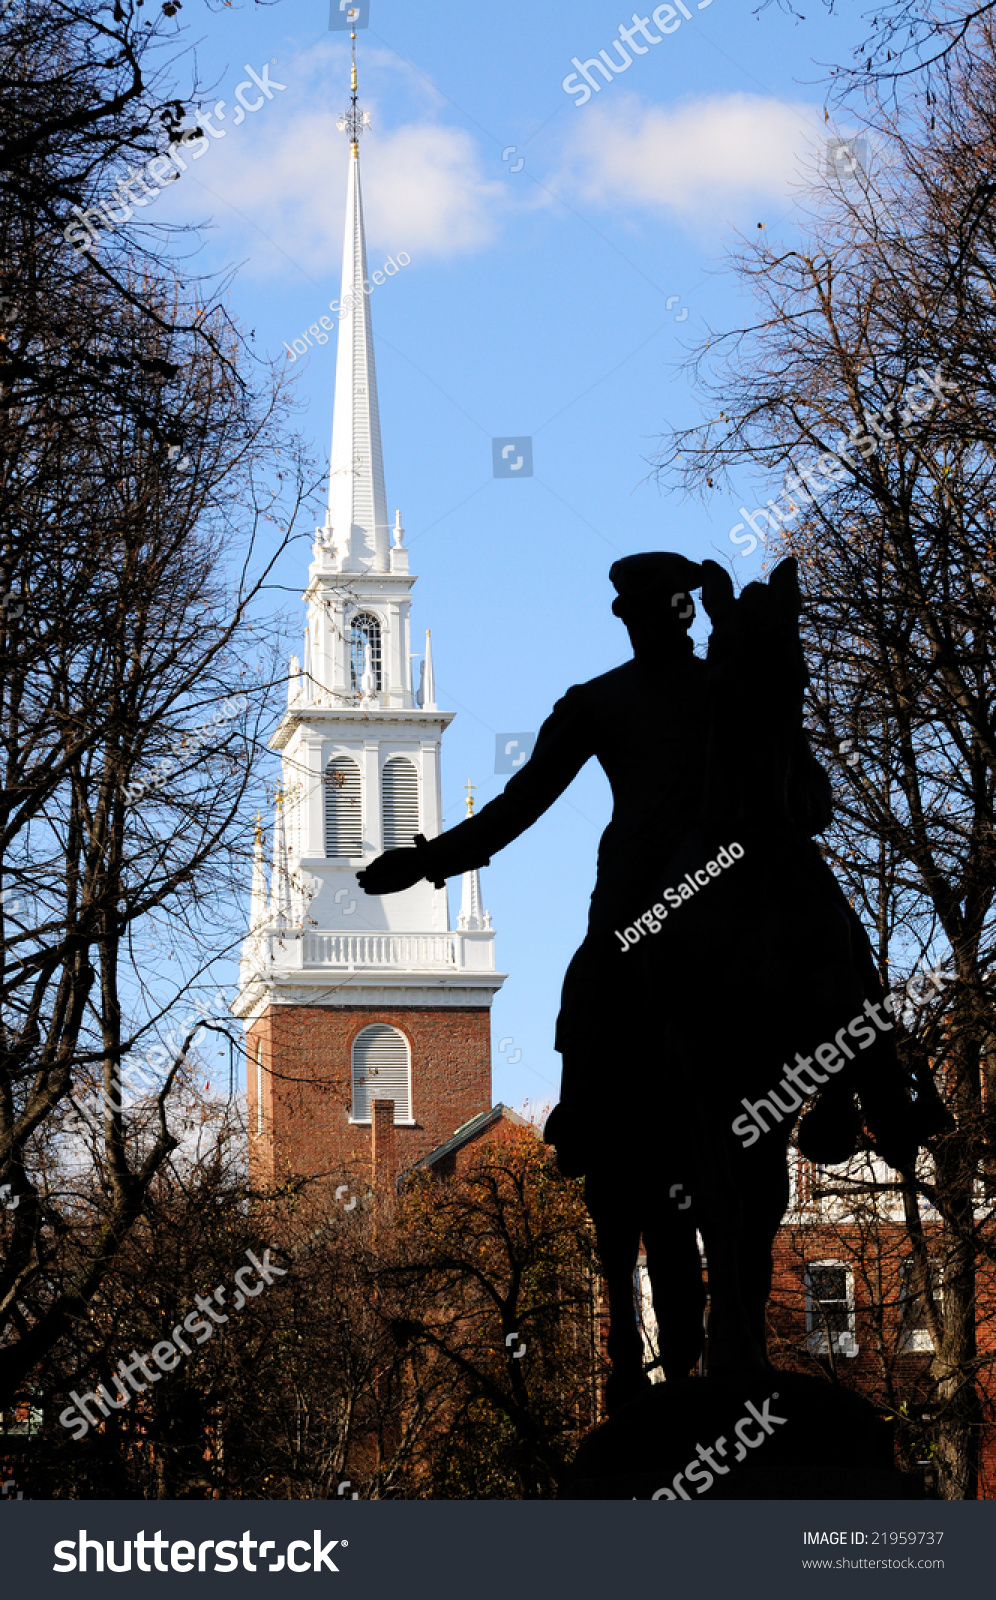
{"x":390,"y":873}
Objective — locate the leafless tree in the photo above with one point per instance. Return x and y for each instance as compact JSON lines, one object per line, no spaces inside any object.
{"x":148,"y":483}
{"x":866,"y":384}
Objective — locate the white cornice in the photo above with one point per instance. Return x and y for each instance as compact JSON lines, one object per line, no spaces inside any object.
{"x":353,"y":583}
{"x":380,"y":718}
{"x":379,"y":989}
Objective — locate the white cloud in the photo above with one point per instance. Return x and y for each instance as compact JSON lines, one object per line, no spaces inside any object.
{"x":700,"y":159}
{"x":284,"y":171}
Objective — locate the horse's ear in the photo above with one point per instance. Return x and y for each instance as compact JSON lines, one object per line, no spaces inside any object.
{"x":784,"y":585}
{"x":717,"y":591}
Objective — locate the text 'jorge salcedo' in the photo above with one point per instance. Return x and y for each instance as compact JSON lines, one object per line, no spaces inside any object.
{"x":691,"y":883}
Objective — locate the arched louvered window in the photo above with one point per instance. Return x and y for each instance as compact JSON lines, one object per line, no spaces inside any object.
{"x":343,"y":808}
{"x":399,"y":786}
{"x":381,"y":1072}
{"x":364,"y":630}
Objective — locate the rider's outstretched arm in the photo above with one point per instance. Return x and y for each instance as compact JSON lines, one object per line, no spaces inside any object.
{"x":563,"y":745}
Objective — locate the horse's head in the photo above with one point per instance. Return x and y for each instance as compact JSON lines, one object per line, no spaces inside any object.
{"x":757,"y":632}
{"x":760,"y":766}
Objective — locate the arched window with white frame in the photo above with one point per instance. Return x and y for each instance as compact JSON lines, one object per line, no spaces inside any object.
{"x":399,"y":792}
{"x":343,"y":808}
{"x":364,"y":636}
{"x":381,"y":1070}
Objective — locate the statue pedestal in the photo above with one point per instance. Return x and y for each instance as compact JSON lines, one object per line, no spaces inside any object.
{"x":777,"y":1436}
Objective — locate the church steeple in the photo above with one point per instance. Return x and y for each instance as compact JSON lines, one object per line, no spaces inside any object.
{"x":352,"y":1000}
{"x":357,"y":506}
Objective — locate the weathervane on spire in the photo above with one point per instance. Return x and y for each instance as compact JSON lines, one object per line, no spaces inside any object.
{"x":354,"y":120}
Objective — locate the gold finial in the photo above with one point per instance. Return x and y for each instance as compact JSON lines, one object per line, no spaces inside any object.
{"x":354,"y":120}
{"x":280,"y":794}
{"x":354,"y":146}
{"x":470,"y":797}
{"x":257,"y":832}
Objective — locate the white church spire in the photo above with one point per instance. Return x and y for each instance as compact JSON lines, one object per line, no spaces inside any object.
{"x":357,"y":512}
{"x":428,"y":701}
{"x":473,"y":918}
{"x":280,"y":906}
{"x":258,"y":907}
{"x":306,"y":673}
{"x":360,"y":750}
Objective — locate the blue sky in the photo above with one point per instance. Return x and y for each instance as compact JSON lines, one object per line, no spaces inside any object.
{"x":555,"y":299}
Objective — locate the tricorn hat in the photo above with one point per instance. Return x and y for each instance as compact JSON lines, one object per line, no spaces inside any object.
{"x":655,"y":577}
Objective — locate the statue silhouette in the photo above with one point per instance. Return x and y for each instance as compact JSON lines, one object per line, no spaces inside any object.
{"x":704,"y":971}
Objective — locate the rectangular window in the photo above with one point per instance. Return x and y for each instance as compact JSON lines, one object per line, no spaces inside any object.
{"x":829,"y":1307}
{"x":914,"y":1330}
{"x":23,"y":1419}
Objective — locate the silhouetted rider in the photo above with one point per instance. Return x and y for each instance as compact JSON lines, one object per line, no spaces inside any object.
{"x":646,"y":724}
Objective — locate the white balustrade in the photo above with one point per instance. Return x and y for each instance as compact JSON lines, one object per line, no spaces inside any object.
{"x":407,"y":950}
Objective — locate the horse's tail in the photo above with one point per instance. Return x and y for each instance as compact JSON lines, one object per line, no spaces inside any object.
{"x":898,"y":1125}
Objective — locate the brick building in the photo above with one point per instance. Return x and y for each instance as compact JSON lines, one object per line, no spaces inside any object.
{"x":349,"y":999}
{"x":845,"y":1301}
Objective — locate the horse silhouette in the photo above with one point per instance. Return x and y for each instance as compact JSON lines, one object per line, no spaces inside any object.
{"x":753,"y":966}
{"x":670,"y":1031}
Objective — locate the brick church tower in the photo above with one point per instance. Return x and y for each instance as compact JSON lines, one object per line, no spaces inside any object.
{"x":351,"y":1001}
